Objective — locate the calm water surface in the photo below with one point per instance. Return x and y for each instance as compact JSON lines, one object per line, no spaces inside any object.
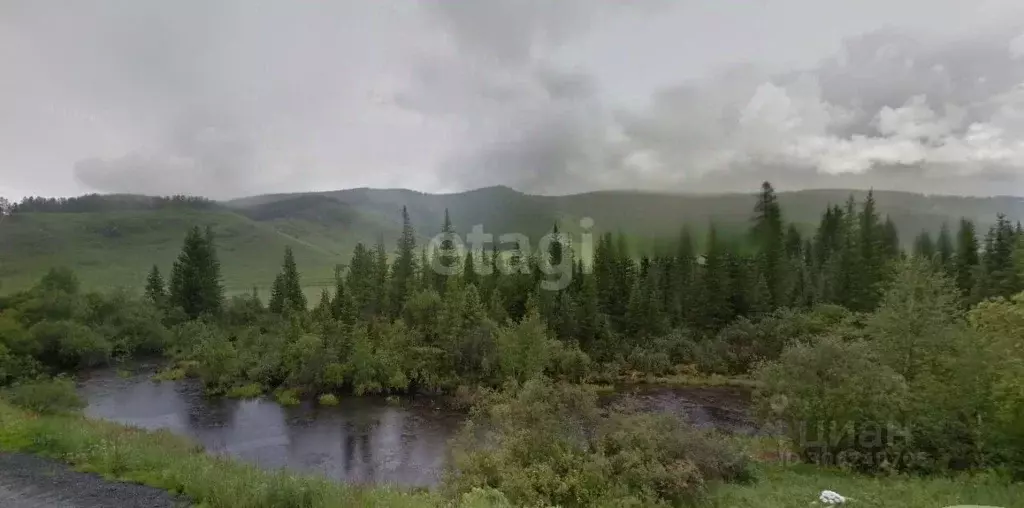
{"x":362,"y":440}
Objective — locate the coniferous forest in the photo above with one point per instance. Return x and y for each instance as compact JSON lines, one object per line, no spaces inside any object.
{"x":869,"y":355}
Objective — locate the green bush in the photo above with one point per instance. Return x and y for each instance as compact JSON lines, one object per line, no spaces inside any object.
{"x":546,"y":444}
{"x":328,"y":399}
{"x":46,"y":396}
{"x":247,"y":391}
{"x":836,"y":399}
{"x":70,"y":344}
{"x":286,"y":397}
{"x":649,"y":361}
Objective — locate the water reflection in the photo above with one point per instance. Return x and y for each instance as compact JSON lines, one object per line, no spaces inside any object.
{"x":363,"y":439}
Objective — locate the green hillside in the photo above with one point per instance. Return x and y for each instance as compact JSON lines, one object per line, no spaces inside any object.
{"x":110,"y":249}
{"x":117,"y":245}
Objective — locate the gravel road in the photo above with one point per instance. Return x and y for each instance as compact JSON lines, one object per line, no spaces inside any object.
{"x":27,"y":481}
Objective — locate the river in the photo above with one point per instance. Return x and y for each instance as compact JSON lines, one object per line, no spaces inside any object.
{"x":362,"y":440}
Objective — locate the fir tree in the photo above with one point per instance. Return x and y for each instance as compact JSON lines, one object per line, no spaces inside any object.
{"x":286,"y":293}
{"x":195,"y":278}
{"x":944,"y":249}
{"x":1001,"y":274}
{"x":155,"y":290}
{"x":966,"y":259}
{"x":890,"y":240}
{"x":445,"y":261}
{"x":715,"y":294}
{"x":769,"y":237}
{"x":404,"y":269}
{"x":278,"y":295}
{"x":342,"y":307}
{"x":924,"y":247}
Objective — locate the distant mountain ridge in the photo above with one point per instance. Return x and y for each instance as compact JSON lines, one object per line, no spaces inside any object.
{"x":112,"y":240}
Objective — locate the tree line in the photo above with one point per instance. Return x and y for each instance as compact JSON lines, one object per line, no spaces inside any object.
{"x":107,"y":203}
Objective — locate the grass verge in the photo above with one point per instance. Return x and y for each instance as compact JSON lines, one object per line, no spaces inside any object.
{"x":800,"y":485}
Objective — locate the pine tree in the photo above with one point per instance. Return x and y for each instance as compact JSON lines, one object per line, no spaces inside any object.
{"x":404,"y":268}
{"x":769,"y":237}
{"x":445,"y":260}
{"x":323,"y":312}
{"x":343,"y":308}
{"x":870,"y":244}
{"x":944,"y":250}
{"x":155,"y":291}
{"x":380,"y":269}
{"x":278,"y":295}
{"x":966,"y":259}
{"x":715,"y":294}
{"x":195,"y":278}
{"x":286,"y":293}
{"x":890,"y":240}
{"x":361,"y":282}
{"x":1001,"y":274}
{"x":924,"y":247}
{"x":683,"y":279}
{"x":591,"y":324}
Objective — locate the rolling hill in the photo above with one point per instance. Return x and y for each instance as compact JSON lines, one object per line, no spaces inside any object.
{"x":116,"y":245}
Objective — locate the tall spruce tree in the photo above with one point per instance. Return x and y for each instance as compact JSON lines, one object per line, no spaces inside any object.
{"x":966,"y":258}
{"x":769,"y":237}
{"x":924,"y":247}
{"x":944,"y":247}
{"x":196,"y":285}
{"x":156,"y":292}
{"x":870,"y":243}
{"x":404,"y":268}
{"x":445,"y":260}
{"x":683,"y":284}
{"x":715,"y":293}
{"x":286,"y":292}
{"x":999,"y":268}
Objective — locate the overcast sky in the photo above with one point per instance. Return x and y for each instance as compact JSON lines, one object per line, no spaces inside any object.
{"x":237,"y":97}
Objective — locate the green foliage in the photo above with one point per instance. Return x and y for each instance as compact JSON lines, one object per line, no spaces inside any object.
{"x":248,"y":391}
{"x":999,"y":323}
{"x":523,"y":348}
{"x":286,"y":292}
{"x":835,"y":398}
{"x":915,"y":371}
{"x":286,"y":397}
{"x":327,"y":399}
{"x":156,"y":290}
{"x":545,"y":444}
{"x":195,"y":285}
{"x":45,"y":396}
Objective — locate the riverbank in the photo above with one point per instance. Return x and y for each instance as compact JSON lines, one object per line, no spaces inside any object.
{"x":165,"y":461}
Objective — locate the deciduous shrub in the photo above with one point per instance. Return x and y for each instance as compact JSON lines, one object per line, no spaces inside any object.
{"x":546,"y":444}
{"x":46,"y":396}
